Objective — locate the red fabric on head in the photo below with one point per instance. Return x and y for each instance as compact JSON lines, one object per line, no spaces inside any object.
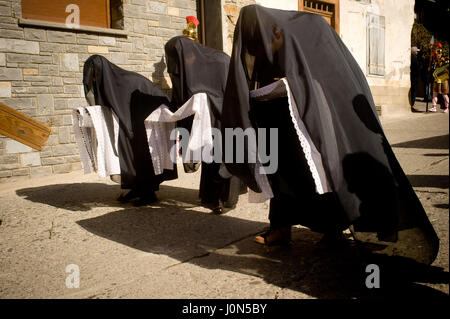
{"x":192,"y":19}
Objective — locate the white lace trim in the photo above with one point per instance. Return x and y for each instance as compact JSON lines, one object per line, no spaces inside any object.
{"x":305,"y":140}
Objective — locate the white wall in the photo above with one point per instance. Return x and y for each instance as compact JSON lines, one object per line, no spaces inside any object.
{"x":279,"y":4}
{"x":399,"y":17}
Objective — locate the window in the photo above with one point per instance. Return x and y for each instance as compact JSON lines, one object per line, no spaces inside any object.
{"x":75,"y":13}
{"x":375,"y":44}
{"x":328,"y":9}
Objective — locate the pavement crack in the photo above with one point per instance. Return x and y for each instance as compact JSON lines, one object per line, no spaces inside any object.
{"x":211,"y":251}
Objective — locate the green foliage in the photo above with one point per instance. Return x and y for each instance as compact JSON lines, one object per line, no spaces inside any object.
{"x":420,"y":37}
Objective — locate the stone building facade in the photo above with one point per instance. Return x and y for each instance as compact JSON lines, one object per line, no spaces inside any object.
{"x":41,"y":73}
{"x":41,"y":63}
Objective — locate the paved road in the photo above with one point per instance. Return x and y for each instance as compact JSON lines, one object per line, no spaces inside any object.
{"x":177,"y":249}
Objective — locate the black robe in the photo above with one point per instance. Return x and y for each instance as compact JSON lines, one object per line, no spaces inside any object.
{"x":132,"y":97}
{"x":369,"y":188}
{"x":194,"y":68}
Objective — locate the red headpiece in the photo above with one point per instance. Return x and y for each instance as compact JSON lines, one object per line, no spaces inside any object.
{"x":192,"y":19}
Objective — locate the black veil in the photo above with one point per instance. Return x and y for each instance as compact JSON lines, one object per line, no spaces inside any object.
{"x":195,"y":68}
{"x":336,"y":106}
{"x":132,"y":97}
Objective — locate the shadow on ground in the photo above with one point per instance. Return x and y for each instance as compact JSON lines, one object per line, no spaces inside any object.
{"x":85,"y":196}
{"x":178,"y":229}
{"x":438,"y":181}
{"x":435,"y":142}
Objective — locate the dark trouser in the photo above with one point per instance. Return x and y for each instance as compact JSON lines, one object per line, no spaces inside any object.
{"x":295,"y":199}
{"x":214,"y":188}
{"x":413,"y":91}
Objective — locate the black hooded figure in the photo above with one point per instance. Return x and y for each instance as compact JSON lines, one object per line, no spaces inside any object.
{"x":368,"y":190}
{"x":194,"y":68}
{"x":132,"y":97}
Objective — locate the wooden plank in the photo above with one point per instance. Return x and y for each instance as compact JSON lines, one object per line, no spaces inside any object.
{"x":23,"y":128}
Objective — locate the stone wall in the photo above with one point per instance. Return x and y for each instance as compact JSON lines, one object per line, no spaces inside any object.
{"x":41,"y":74}
{"x":231,"y":11}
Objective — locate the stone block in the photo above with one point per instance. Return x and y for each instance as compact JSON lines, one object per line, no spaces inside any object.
{"x":71,"y":89}
{"x":45,"y":104}
{"x":19,"y":46}
{"x":42,"y":59}
{"x":31,"y":159}
{"x":21,"y":172}
{"x":109,"y":41}
{"x":181,"y":4}
{"x":69,"y":62}
{"x":35,"y":34}
{"x":53,"y":161}
{"x":61,"y":37}
{"x":48,"y":69}
{"x":64,"y":134}
{"x":92,"y":49}
{"x":67,"y":119}
{"x":4,"y":174}
{"x":66,"y":149}
{"x":118,"y":58}
{"x":14,"y":147}
{"x":2,"y":59}
{"x":20,"y":103}
{"x":30,"y":71}
{"x":76,"y":102}
{"x":50,"y":47}
{"x":10,"y":74}
{"x":41,"y":171}
{"x":156,"y":7}
{"x":15,"y":57}
{"x":151,"y":42}
{"x":172,"y":11}
{"x":62,"y":168}
{"x":140,"y":26}
{"x":5,"y":89}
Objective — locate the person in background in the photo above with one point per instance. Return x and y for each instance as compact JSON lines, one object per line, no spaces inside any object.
{"x":440,"y":85}
{"x":414,"y":77}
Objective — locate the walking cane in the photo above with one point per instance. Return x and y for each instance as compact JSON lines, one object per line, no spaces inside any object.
{"x":429,"y":70}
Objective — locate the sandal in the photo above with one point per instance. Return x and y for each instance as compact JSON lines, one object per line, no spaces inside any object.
{"x":275,"y":237}
{"x":329,"y":241}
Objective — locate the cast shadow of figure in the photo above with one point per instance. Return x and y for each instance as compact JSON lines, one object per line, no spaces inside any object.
{"x":158,"y":76}
{"x":209,"y":241}
{"x":435,"y":142}
{"x":86,"y":196}
{"x":390,"y":210}
{"x":175,"y":228}
{"x":438,"y":181}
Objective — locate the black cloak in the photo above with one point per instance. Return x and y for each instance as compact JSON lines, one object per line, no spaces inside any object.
{"x":194,"y":68}
{"x":336,"y":106}
{"x":132,"y":97}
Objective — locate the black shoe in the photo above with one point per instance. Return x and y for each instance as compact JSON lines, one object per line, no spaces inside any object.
{"x":214,"y":206}
{"x":217,"y":210}
{"x":145,"y":200}
{"x":132,"y":194}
